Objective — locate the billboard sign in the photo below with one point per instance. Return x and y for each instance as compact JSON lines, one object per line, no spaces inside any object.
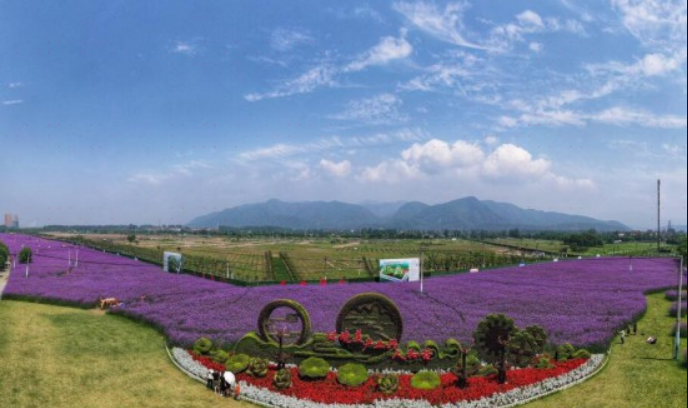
{"x":400,"y":270}
{"x":166,"y":262}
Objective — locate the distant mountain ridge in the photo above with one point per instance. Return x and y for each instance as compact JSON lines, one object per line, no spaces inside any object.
{"x":463,"y":214}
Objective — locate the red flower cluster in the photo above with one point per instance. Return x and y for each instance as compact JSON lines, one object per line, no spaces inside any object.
{"x":207,"y":362}
{"x":358,"y":338}
{"x":329,"y":391}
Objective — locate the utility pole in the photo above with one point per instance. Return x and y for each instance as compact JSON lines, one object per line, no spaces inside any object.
{"x":659,"y":214}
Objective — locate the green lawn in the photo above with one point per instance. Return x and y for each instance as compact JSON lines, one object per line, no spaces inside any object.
{"x":54,"y":357}
{"x":60,"y":357}
{"x":638,"y":375}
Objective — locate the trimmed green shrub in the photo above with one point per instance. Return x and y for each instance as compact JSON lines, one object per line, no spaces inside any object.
{"x":566,"y":352}
{"x":203,"y":346}
{"x":258,"y":367}
{"x":487,"y":371}
{"x":388,"y":384}
{"x":238,"y":364}
{"x":283,"y":379}
{"x":25,"y":256}
{"x":426,"y":380}
{"x":314,"y":369}
{"x":489,"y":335}
{"x":582,"y":354}
{"x":412,"y":345}
{"x":220,"y":356}
{"x":540,"y":336}
{"x":352,"y":375}
{"x":544,"y":364}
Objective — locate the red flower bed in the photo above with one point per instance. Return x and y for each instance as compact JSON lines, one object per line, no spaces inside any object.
{"x":329,"y":391}
{"x":207,"y":362}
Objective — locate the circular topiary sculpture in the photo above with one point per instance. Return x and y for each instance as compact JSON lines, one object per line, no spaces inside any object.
{"x":375,"y":315}
{"x":283,"y":379}
{"x":352,"y":375}
{"x":426,"y":380}
{"x":388,"y":384}
{"x":314,"y":369}
{"x":238,"y":364}
{"x":203,"y":346}
{"x":491,"y":336}
{"x":286,"y":319}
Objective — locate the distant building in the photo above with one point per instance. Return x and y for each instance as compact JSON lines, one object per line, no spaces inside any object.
{"x":11,"y":221}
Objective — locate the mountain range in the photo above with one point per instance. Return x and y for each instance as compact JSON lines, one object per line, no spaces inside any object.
{"x":463,"y":214}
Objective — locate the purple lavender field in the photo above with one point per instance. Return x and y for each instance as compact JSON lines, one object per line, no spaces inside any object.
{"x":581,"y":302}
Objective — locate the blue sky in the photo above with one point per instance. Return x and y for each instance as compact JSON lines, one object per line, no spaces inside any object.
{"x":156,"y":112}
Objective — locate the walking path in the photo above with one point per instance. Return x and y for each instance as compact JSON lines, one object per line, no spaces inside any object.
{"x":4,"y":277}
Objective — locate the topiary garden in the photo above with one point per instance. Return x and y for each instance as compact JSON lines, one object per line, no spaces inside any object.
{"x":284,"y":358}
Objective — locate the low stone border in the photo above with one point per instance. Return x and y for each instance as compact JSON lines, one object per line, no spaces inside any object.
{"x":514,"y":398}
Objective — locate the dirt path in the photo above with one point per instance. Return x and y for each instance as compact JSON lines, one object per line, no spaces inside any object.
{"x":4,"y":277}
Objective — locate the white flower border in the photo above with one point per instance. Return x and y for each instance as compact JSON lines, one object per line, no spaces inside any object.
{"x":513,"y":398}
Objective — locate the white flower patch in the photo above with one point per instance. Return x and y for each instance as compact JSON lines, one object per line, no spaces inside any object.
{"x":184,"y":359}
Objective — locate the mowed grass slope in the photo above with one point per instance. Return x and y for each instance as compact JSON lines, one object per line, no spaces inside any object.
{"x":62,"y":358}
{"x":638,"y":375}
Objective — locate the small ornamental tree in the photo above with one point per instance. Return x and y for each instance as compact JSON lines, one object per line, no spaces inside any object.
{"x":26,"y":256}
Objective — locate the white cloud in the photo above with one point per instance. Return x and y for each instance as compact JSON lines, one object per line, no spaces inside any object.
{"x":446,"y":25}
{"x":510,"y":161}
{"x":155,"y":178}
{"x":342,"y":169}
{"x":366,"y":11}
{"x":283,"y":39}
{"x":185,"y":48}
{"x":529,"y":22}
{"x":318,"y":77}
{"x":436,"y":155}
{"x":389,"y":49}
{"x":531,"y":18}
{"x":12,"y":102}
{"x":15,"y":85}
{"x":536,"y":47}
{"x":323,"y":76}
{"x":467,"y":162}
{"x":389,"y":171}
{"x":623,"y":116}
{"x":381,"y":109}
{"x":652,"y":21}
{"x":272,"y":152}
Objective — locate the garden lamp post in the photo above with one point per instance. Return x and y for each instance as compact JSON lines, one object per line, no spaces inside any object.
{"x":677,"y":347}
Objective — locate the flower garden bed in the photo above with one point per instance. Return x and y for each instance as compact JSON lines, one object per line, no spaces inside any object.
{"x":482,"y":392}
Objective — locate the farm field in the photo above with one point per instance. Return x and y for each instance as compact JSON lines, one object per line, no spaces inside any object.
{"x":279,"y":259}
